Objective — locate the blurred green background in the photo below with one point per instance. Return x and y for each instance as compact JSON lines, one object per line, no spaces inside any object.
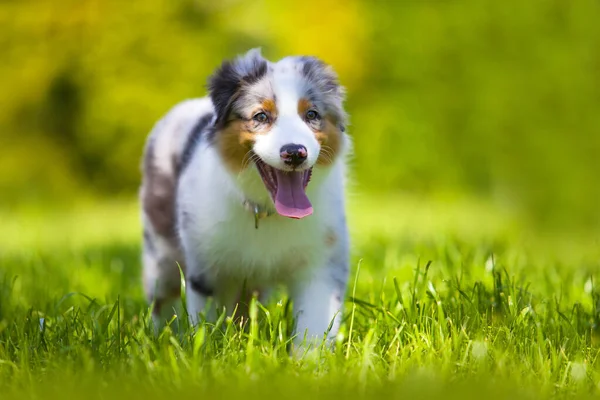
{"x":493,"y":100}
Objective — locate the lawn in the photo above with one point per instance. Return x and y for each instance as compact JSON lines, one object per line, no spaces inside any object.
{"x":448,"y":299}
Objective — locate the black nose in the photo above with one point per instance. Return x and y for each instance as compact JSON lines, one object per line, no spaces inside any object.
{"x":293,"y":154}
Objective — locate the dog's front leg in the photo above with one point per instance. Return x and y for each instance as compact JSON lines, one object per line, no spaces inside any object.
{"x":318,"y":300}
{"x":199,"y":288}
{"x":317,"y":304}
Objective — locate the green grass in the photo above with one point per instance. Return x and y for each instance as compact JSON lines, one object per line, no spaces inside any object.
{"x":446,"y":300}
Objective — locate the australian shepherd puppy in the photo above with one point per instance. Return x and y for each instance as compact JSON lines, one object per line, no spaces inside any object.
{"x":245,"y":189}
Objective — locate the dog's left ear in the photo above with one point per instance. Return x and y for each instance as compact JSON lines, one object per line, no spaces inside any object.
{"x":228,"y":80}
{"x":324,"y":78}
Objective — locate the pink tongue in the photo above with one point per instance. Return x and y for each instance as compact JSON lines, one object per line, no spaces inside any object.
{"x":291,"y":200}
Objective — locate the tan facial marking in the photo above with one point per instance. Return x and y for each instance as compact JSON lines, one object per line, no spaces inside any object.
{"x":269,"y":107}
{"x":303,"y":106}
{"x":330,"y":139}
{"x":234,"y":143}
{"x":328,"y":135}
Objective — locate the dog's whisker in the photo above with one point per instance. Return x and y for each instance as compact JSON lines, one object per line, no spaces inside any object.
{"x":328,"y":153}
{"x":247,"y":160}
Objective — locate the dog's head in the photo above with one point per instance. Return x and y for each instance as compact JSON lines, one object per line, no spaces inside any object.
{"x":283,"y":118}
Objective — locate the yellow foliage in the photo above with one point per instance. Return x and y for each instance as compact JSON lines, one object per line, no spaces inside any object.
{"x":494,"y":99}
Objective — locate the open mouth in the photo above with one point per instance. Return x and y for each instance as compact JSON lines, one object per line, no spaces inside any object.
{"x":288,"y":190}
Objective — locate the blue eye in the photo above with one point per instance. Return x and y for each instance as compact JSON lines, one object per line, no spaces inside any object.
{"x":312,"y":115}
{"x":261,"y":117}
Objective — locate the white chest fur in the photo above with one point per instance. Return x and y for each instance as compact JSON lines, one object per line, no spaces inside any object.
{"x":221,"y":232}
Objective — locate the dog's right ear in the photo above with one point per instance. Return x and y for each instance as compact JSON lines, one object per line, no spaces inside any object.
{"x":229,"y":79}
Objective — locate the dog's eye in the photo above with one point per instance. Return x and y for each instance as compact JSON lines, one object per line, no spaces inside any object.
{"x":312,"y":115}
{"x":261,"y":117}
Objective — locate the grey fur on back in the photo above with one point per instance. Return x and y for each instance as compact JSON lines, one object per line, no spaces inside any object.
{"x":168,"y":147}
